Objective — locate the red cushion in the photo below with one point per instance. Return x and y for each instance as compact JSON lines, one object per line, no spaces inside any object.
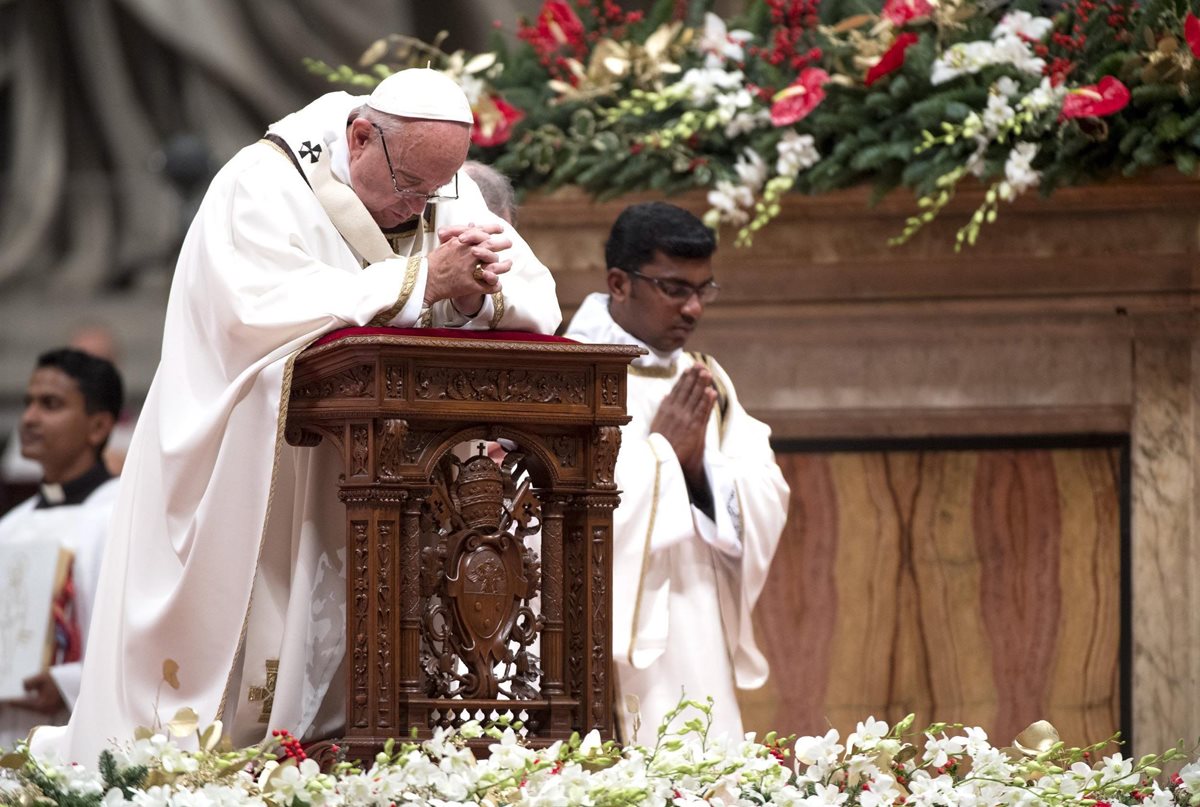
{"x":440,"y":333}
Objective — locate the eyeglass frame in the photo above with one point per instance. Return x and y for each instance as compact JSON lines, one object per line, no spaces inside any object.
{"x":430,"y":198}
{"x":663,"y":284}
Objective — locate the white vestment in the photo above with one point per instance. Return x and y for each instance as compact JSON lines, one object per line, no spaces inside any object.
{"x":81,"y":530}
{"x":684,"y":585}
{"x":227,"y":549}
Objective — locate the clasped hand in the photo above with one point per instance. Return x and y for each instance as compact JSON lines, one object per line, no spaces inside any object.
{"x":682,"y":418}
{"x":451,"y":273}
{"x":42,"y":695}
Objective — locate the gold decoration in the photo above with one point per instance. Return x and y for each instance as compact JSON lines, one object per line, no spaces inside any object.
{"x":266,"y":693}
{"x":612,"y":62}
{"x":1037,"y":739}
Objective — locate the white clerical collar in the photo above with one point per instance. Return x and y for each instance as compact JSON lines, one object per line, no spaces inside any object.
{"x":594,"y":323}
{"x":339,"y":158}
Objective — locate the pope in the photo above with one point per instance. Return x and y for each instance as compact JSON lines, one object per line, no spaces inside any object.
{"x":223,"y":584}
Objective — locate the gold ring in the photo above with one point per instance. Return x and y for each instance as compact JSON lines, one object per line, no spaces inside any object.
{"x":478,"y":273}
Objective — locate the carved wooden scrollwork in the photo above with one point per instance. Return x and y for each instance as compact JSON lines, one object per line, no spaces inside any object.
{"x":360,"y":449}
{"x":355,"y":382}
{"x":393,"y":381}
{"x":500,"y":385}
{"x":360,"y":660}
{"x":478,"y":577}
{"x":299,"y":436}
{"x":566,"y":449}
{"x":390,"y":454}
{"x":610,"y":390}
{"x":606,"y":442}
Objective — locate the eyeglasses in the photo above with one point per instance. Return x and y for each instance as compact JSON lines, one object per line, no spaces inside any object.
{"x":429,"y":198}
{"x":680,"y":290}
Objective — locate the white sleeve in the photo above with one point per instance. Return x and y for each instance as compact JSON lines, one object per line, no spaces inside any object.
{"x":526,"y":301}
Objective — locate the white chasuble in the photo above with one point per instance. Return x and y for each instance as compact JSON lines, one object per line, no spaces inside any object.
{"x":684,"y":585}
{"x":226,"y":555}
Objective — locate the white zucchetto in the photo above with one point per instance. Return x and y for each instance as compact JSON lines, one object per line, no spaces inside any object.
{"x":420,"y":92}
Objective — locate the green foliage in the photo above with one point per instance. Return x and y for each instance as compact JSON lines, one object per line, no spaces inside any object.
{"x":627,"y":123}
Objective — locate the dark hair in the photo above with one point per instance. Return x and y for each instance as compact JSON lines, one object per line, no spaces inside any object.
{"x":643,"y":229}
{"x":97,"y":378}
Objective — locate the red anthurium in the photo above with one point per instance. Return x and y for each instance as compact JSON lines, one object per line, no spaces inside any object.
{"x":899,"y":12}
{"x":561,"y":22}
{"x":1191,"y":32}
{"x":557,"y":24}
{"x":796,"y":101}
{"x":1096,"y":100}
{"x":494,"y":121}
{"x":891,"y":61}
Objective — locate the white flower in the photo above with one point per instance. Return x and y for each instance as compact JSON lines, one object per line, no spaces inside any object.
{"x":1019,"y":175}
{"x":1022,"y":24}
{"x":1005,"y":86}
{"x":826,"y":796}
{"x":1118,"y":770}
{"x":939,"y":750}
{"x":746,"y":121}
{"x":719,"y":44}
{"x":590,"y":744}
{"x":1190,"y":774}
{"x":971,"y":57}
{"x":818,"y":750}
{"x":730,"y":201}
{"x":703,"y":84}
{"x":796,"y":152}
{"x":751,"y":170}
{"x":867,"y":733}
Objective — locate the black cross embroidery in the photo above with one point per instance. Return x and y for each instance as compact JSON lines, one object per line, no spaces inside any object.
{"x":310,"y":150}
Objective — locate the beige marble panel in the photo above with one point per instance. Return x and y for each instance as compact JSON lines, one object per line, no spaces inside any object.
{"x":1165,"y":544}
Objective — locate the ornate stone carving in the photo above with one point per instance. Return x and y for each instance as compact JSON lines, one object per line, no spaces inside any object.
{"x":498,"y":384}
{"x":390,"y":454}
{"x":479,"y":576}
{"x":606,"y":442}
{"x":354,"y":382}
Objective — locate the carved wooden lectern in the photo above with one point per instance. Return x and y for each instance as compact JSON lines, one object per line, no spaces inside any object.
{"x":452,"y":612}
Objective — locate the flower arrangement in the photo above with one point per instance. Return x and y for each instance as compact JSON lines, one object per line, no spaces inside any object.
{"x":876,"y":766}
{"x":815,"y":95}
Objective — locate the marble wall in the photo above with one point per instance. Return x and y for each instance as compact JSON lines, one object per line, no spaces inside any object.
{"x":1072,"y":316}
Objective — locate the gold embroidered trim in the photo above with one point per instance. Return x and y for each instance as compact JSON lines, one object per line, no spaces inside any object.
{"x":410,"y":280}
{"x":498,"y":309}
{"x":653,"y":371}
{"x":276,"y":146}
{"x":722,"y":391}
{"x":280,"y":428}
{"x":637,"y":603}
{"x":426,"y":318}
{"x":266,"y":692}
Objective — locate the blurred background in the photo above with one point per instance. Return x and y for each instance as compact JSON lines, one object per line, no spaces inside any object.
{"x":114,"y":114}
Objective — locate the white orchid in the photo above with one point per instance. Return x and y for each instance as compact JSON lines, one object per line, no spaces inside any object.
{"x":719,"y":44}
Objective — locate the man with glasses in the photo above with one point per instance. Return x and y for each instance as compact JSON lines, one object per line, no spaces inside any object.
{"x":227,"y":552}
{"x":702,"y":501}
